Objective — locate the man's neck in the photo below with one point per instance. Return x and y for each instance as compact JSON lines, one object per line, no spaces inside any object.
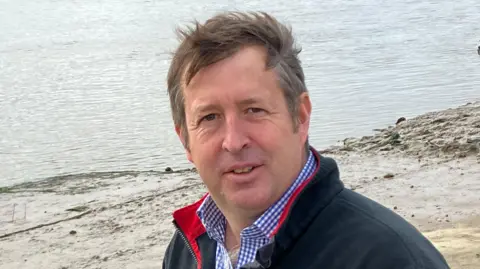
{"x":232,"y":239}
{"x":235,"y":225}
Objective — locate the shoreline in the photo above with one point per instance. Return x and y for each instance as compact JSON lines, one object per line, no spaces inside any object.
{"x":425,"y":169}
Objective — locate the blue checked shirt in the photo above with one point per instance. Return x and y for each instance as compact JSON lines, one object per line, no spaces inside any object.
{"x":254,"y":236}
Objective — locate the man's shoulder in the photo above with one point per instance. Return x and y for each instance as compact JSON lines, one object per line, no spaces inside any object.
{"x":377,"y":230}
{"x":353,"y":231}
{"x":371,"y":215}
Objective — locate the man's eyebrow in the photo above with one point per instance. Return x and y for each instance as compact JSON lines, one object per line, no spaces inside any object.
{"x":201,"y":108}
{"x":249,"y":101}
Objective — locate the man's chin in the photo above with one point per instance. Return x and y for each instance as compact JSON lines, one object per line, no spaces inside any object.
{"x":248,"y":201}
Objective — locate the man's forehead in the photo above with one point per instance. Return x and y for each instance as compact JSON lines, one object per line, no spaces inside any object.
{"x":250,"y":59}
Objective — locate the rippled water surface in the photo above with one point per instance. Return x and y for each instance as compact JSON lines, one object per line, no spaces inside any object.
{"x":82,"y":83}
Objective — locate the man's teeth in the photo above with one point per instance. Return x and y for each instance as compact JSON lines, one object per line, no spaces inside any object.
{"x":243,"y":170}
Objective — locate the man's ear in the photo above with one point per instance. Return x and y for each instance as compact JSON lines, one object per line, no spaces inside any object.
{"x":304,"y":112}
{"x":182,"y":137}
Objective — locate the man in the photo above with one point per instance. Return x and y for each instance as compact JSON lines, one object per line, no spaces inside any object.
{"x":242,"y":111}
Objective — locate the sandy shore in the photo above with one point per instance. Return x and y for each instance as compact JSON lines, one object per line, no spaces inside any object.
{"x":425,"y":169}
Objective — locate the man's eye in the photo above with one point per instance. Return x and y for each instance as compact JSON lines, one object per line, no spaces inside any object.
{"x":209,"y":117}
{"x":255,"y":110}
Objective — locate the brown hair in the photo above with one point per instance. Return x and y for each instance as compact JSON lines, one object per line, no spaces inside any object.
{"x":222,"y":36}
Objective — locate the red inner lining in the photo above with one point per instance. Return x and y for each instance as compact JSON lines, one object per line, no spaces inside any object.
{"x":191,"y":226}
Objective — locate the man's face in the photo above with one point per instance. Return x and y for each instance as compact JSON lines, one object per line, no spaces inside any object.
{"x":241,"y":135}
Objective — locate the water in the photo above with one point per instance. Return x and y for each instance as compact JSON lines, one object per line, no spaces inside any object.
{"x":82,"y":83}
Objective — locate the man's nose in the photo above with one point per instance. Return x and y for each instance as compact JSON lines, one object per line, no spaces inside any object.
{"x":235,"y":136}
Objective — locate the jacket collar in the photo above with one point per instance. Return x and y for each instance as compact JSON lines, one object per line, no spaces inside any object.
{"x":311,"y":200}
{"x":190,"y":225}
{"x":187,"y":220}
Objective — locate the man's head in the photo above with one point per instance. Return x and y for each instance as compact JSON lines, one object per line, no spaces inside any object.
{"x":239,"y":100}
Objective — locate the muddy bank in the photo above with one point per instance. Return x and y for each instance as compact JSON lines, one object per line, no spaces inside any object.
{"x":80,"y":183}
{"x":446,"y":134}
{"x":123,"y":219}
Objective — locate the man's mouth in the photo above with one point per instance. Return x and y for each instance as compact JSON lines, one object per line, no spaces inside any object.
{"x":243,"y":170}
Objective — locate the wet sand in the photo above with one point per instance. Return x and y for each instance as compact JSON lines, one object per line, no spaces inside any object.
{"x":426,"y":169}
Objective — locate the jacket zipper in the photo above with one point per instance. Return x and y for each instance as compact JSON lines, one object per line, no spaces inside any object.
{"x":189,"y":247}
